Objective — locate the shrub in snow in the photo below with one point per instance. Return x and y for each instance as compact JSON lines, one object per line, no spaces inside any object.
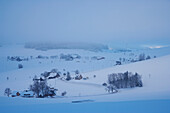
{"x":118,"y":63}
{"x":123,"y":60}
{"x":85,"y":78}
{"x":111,"y":89}
{"x":63,"y":93}
{"x":133,"y":60}
{"x":104,"y":84}
{"x":148,"y":57}
{"x":8,"y":58}
{"x":7,"y":91}
{"x":125,"y":80}
{"x":141,"y":57}
{"x":64,"y":74}
{"x":20,"y":66}
{"x":68,"y":76}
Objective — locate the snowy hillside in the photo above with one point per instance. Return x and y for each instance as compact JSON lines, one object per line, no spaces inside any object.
{"x":151,"y":71}
{"x":84,"y":56}
{"x":90,"y":89}
{"x":88,"y":61}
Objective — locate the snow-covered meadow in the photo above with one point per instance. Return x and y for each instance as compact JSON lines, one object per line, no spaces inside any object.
{"x":94,"y":66}
{"x":84,"y":56}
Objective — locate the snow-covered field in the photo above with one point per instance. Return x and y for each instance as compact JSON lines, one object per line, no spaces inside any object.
{"x":144,"y":106}
{"x":154,"y":96}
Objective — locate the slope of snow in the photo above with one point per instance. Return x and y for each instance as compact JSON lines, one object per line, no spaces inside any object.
{"x":144,"y":106}
{"x":155,"y":76}
{"x":152,"y":97}
{"x":85,"y":64}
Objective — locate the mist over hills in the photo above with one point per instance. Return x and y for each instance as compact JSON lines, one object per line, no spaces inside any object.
{"x":65,"y":45}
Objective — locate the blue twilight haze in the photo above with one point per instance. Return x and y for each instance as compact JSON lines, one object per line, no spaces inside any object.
{"x":103,"y":21}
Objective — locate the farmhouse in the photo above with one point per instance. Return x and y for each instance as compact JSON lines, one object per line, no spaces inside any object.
{"x":27,"y":94}
{"x":15,"y":93}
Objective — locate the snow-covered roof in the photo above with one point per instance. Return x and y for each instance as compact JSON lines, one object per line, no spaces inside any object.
{"x":27,"y":92}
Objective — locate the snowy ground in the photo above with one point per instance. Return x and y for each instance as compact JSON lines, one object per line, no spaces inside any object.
{"x":154,"y":96}
{"x":144,"y":106}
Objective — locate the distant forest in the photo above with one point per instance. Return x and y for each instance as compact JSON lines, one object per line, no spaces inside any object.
{"x":48,"y":46}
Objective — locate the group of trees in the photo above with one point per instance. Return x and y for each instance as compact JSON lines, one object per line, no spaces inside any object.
{"x":54,"y":73}
{"x":64,"y":45}
{"x":41,"y":88}
{"x":69,"y":57}
{"x":17,"y":58}
{"x":125,"y":80}
{"x":140,"y":57}
{"x":143,"y":57}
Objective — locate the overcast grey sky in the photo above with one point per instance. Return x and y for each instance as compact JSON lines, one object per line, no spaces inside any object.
{"x":103,"y":21}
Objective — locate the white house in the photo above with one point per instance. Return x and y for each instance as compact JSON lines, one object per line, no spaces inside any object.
{"x":27,"y":93}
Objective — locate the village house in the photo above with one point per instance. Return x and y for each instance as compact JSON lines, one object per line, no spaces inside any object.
{"x":15,"y":93}
{"x":27,"y":94}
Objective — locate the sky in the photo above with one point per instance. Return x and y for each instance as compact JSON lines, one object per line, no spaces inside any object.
{"x":127,"y":22}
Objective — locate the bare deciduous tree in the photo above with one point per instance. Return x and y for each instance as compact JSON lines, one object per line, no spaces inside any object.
{"x":124,"y":80}
{"x":7,"y":91}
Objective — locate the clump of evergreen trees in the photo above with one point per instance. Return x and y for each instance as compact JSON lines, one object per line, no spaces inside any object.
{"x":125,"y":80}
